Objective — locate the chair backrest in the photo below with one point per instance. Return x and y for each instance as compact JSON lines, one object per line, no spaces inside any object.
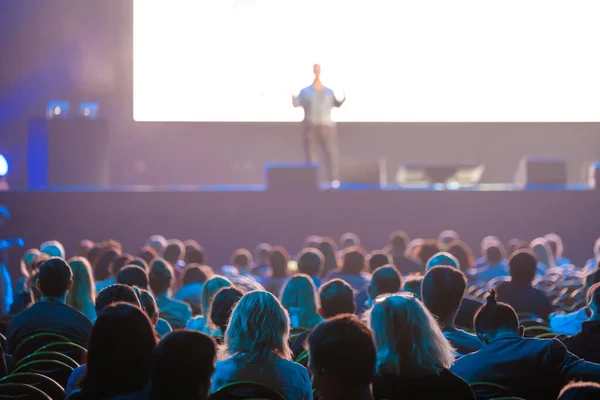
{"x":527,"y":322}
{"x":73,"y":350}
{"x":489,"y":390}
{"x":14,"y":391}
{"x":34,"y":342}
{"x":547,"y":335}
{"x":245,"y":390}
{"x":534,"y":331}
{"x":56,"y":370}
{"x":45,"y":384}
{"x":302,"y":358}
{"x":48,"y":355}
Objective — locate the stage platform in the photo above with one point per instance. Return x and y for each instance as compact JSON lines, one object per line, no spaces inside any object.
{"x":225,"y":217}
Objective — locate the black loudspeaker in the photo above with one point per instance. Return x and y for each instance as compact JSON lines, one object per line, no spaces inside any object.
{"x":67,"y":152}
{"x":364,"y":172}
{"x":541,"y":171}
{"x":291,"y":177}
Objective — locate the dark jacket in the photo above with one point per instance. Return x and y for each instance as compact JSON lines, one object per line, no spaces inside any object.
{"x":530,"y":368}
{"x":525,"y":299}
{"x":446,"y":385}
{"x":585,"y":344}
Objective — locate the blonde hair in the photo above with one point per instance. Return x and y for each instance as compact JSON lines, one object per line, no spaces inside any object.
{"x":27,"y":262}
{"x":259,"y":328}
{"x":299,"y":298}
{"x":83,"y":292}
{"x":408,"y":339}
{"x":209,"y":290}
{"x":543,"y":252}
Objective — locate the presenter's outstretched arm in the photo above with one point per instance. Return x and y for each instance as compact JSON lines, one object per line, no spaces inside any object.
{"x":338,"y":103}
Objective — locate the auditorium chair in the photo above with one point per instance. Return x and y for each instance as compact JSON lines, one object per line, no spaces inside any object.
{"x":48,"y":355}
{"x":12,"y":391}
{"x":56,"y":370}
{"x":245,"y":390}
{"x":47,"y":385}
{"x":534,"y":331}
{"x":72,"y":350}
{"x":35,"y":342}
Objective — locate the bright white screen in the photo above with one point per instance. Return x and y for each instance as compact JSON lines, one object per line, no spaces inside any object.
{"x":397,"y":60}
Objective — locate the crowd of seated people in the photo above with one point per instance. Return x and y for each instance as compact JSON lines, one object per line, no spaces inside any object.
{"x":421,"y":318}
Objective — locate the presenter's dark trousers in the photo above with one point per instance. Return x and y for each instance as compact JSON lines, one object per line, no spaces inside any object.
{"x":325,"y":138}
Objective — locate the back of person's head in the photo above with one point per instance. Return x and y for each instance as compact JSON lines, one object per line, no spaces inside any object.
{"x":160,"y":276}
{"x":462,"y":252}
{"x":408,"y":339}
{"x":556,"y":244}
{"x":194,"y":274}
{"x":140,"y":263}
{"x":116,"y":293}
{"x":313,"y":241}
{"x":378,"y":258}
{"x":445,"y":237}
{"x":119,"y":353}
{"x":494,"y":317}
{"x":443,"y":290}
{"x":210,"y":289}
{"x":83,"y":291}
{"x":27,"y":262}
{"x":194,"y":253}
{"x":543,"y":253}
{"x":134,"y":276}
{"x":337,"y":297}
{"x":262,"y":253}
{"x":53,"y":248}
{"x":119,"y":263}
{"x":328,"y":249}
{"x":55,"y":278}
{"x":354,"y":260}
{"x":149,"y":305}
{"x":442,"y":258}
{"x":174,"y":251}
{"x":349,"y":239}
{"x":426,"y":250}
{"x":259,"y":328}
{"x":386,"y":279}
{"x":182,"y":366}
{"x":494,"y":252}
{"x":278,"y":260}
{"x":103,"y":266}
{"x":310,"y":261}
{"x":514,"y":245}
{"x":523,"y":266}
{"x":342,"y":356}
{"x":299,"y":298}
{"x":94,"y":254}
{"x":580,"y":391}
{"x":157,"y":243}
{"x":241,"y":258}
{"x":398,"y":241}
{"x":222,"y":305}
{"x":413,"y":284}
{"x":148,"y":254}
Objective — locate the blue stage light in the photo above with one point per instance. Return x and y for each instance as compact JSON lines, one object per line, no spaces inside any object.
{"x":3,"y":166}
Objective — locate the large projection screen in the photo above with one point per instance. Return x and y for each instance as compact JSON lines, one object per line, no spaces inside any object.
{"x":396,"y":60}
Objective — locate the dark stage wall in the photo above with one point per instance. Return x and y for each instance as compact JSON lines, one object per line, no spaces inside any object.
{"x":82,"y":50}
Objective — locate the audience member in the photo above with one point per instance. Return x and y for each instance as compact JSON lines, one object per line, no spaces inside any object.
{"x":242,"y":259}
{"x":103,"y":267}
{"x":413,"y":356}
{"x":529,"y":368}
{"x":514,"y":245}
{"x":278,"y":260}
{"x":53,"y":248}
{"x":385,"y":280}
{"x":580,"y":391}
{"x":543,"y":253}
{"x":557,"y":248}
{"x":119,"y":355}
{"x":222,"y":305}
{"x":378,"y":258}
{"x":337,"y":297}
{"x":342,"y":359}
{"x":571,"y":323}
{"x":413,"y":284}
{"x":256,"y":349}
{"x":425,"y":251}
{"x":161,"y":277}
{"x":586,"y":344}
{"x":299,"y":298}
{"x":174,"y":253}
{"x":150,"y":307}
{"x":116,"y":293}
{"x":397,"y":246}
{"x":443,"y":291}
{"x":348,"y":240}
{"x":209,"y":290}
{"x":194,"y":253}
{"x":445,"y":238}
{"x":51,"y":313}
{"x":442,"y":258}
{"x":182,"y":366}
{"x":329,"y":250}
{"x":134,"y":276}
{"x":140,"y":263}
{"x":494,"y":263}
{"x":463,"y":254}
{"x":519,"y":293}
{"x":310,"y":262}
{"x":83,"y":292}
{"x":148,"y":254}
{"x":353,"y":269}
{"x":262,"y":255}
{"x":593,"y":262}
{"x":27,"y":270}
{"x":157,"y":243}
{"x":485,"y":242}
{"x":312,"y":241}
{"x":191,"y":290}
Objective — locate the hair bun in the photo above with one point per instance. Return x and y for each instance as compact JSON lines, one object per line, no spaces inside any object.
{"x":491,"y":299}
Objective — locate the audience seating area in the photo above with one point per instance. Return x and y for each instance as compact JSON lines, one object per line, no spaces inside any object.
{"x":421,"y":318}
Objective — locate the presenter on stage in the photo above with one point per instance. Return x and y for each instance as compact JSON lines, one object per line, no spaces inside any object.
{"x":319,"y":129}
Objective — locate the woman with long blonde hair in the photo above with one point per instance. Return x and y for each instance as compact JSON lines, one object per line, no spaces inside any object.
{"x":299,"y":298}
{"x":256,"y":349}
{"x":210,"y":288}
{"x":83,"y":293}
{"x":413,"y":356}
